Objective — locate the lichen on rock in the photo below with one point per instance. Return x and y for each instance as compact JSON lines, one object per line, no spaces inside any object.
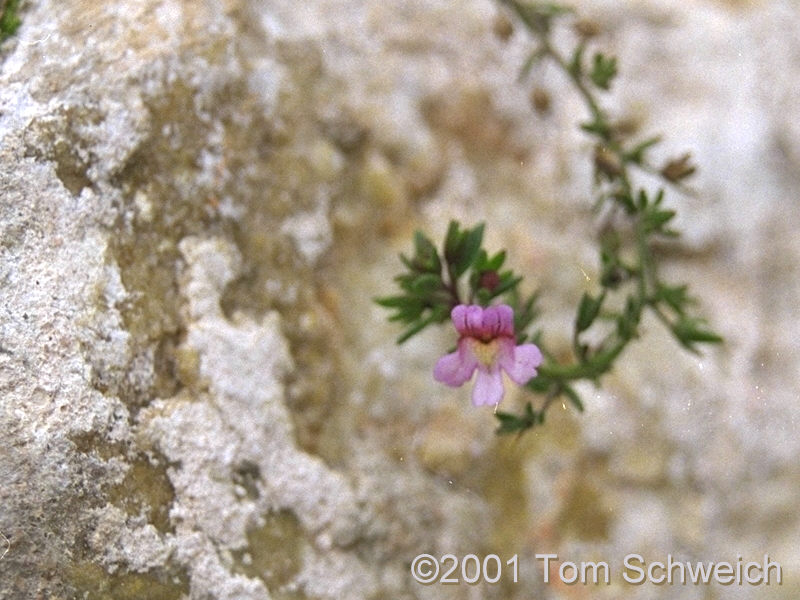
{"x":198,"y":202}
{"x":167,"y":197}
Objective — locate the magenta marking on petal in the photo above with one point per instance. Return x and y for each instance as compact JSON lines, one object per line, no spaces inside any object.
{"x":520,"y":362}
{"x":488,"y":388}
{"x":506,"y":315}
{"x":456,"y":368}
{"x":474,"y":319}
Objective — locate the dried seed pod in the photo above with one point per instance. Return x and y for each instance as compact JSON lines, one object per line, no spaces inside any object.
{"x":502,"y":27}
{"x":678,"y":169}
{"x":587,"y":28}
{"x":540,"y":100}
{"x":607,"y":162}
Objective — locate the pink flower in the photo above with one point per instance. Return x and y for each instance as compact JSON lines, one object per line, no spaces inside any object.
{"x":487,"y":344}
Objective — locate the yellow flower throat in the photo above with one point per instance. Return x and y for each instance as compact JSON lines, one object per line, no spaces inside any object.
{"x":485,"y":352}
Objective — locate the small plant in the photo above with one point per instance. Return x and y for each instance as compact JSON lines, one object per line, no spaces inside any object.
{"x":9,"y":20}
{"x":467,"y":284}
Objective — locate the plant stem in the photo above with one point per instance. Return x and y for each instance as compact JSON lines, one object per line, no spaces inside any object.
{"x":452,"y":286}
{"x":595,"y":364}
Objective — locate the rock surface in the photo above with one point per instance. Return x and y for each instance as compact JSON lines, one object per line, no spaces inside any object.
{"x":199,"y":399}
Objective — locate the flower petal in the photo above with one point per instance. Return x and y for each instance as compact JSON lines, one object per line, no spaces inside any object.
{"x":519,"y":362}
{"x":474,"y":320}
{"x":466,"y":318}
{"x":490,"y":323}
{"x":456,"y":368}
{"x":498,"y":321}
{"x":488,"y":388}
{"x":502,"y":320}
{"x":459,"y":317}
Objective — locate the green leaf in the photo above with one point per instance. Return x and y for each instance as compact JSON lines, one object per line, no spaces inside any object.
{"x":573,"y":397}
{"x":481,"y":262}
{"x":407,"y":262}
{"x":413,"y":330}
{"x":538,"y":16}
{"x":426,"y":258}
{"x":410,"y":311}
{"x":392,"y":301}
{"x":588,"y":309}
{"x":642,"y":201}
{"x":532,"y":59}
{"x":575,"y":66}
{"x":654,"y":219}
{"x":424,"y":284}
{"x":524,"y":313}
{"x":452,"y":241}
{"x":624,"y":198}
{"x":690,"y":331}
{"x":468,"y":250}
{"x":539,"y":384}
{"x":675,"y":296}
{"x":598,"y":127}
{"x":406,"y":280}
{"x":437,"y":315}
{"x":495,"y":262}
{"x":636,"y":154}
{"x":604,"y":69}
{"x":511,"y":423}
{"x":507,"y":282}
{"x":628,"y":321}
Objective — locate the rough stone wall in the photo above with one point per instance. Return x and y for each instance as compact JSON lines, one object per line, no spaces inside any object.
{"x":198,"y":201}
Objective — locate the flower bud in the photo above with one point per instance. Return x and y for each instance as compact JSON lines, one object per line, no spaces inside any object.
{"x":678,"y":168}
{"x":489,"y":280}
